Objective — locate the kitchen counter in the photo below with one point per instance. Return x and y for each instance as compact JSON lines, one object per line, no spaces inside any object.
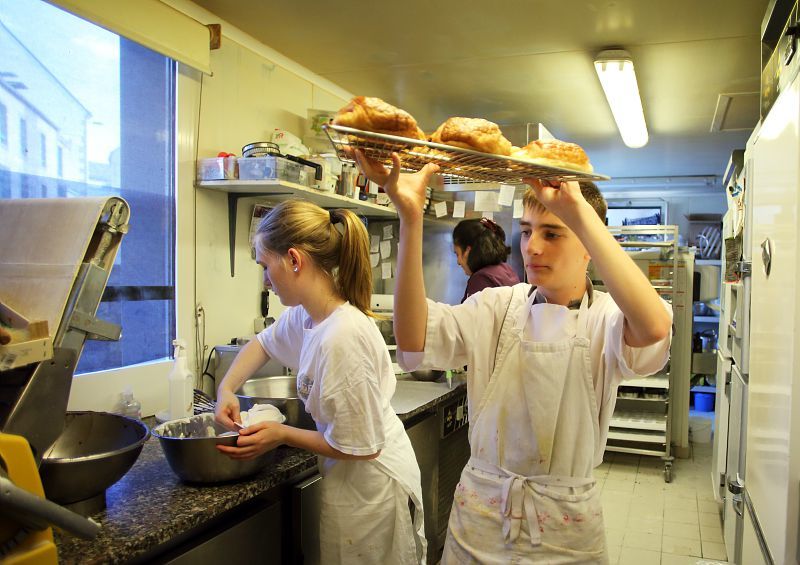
{"x":150,"y":509}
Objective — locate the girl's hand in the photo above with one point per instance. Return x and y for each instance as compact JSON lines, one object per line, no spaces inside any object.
{"x":563,"y":199}
{"x":227,"y":410}
{"x":406,"y":191}
{"x":255,"y":440}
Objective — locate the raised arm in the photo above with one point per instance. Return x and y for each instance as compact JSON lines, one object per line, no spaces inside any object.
{"x":407,"y":192}
{"x":646,"y":319}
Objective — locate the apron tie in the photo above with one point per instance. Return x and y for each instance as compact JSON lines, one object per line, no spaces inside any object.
{"x":517,"y":505}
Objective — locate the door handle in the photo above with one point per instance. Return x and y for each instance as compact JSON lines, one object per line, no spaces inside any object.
{"x":736,"y":489}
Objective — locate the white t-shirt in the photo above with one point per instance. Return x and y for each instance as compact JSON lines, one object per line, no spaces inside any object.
{"x":344,"y":376}
{"x":467,"y":334}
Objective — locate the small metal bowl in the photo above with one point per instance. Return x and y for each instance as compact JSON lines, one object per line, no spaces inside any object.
{"x":190,"y":446}
{"x":281,"y":392}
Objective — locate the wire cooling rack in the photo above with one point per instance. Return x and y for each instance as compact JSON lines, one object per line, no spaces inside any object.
{"x":456,"y":165}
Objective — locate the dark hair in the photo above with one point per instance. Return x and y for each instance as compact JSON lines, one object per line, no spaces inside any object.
{"x":486,"y":240}
{"x":343,"y":255}
{"x":589,"y":191}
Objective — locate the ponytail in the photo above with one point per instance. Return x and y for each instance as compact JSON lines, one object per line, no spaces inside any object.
{"x":342,"y":253}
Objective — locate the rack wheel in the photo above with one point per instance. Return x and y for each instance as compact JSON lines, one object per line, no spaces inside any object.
{"x":668,"y":472}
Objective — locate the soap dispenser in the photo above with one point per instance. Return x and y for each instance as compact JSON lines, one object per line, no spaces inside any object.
{"x":181,"y":384}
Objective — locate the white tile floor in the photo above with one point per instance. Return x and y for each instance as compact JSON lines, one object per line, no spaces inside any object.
{"x":651,"y":522}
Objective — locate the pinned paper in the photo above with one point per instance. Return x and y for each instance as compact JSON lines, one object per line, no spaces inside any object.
{"x":374,"y":240}
{"x":488,"y":215}
{"x":374,"y":259}
{"x":388,"y":231}
{"x":386,"y":270}
{"x":386,"y":249}
{"x":459,"y":206}
{"x":486,"y":201}
{"x":517,"y":208}
{"x":506,"y":194}
{"x":440,"y":208}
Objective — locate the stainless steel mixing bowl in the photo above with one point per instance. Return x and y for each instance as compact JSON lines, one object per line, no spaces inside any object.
{"x":190,"y":448}
{"x":427,"y":374}
{"x":92,"y":453}
{"x":281,"y":392}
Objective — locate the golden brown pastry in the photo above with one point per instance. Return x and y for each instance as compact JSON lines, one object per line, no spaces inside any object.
{"x":373,"y":114}
{"x":473,"y":133}
{"x":555,"y":153}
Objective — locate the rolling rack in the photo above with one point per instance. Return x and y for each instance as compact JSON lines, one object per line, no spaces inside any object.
{"x":642,"y":420}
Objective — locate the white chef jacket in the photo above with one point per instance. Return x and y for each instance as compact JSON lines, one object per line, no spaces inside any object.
{"x":468,"y":334}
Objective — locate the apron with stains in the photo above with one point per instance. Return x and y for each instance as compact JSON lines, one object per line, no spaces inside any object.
{"x":527,"y":493}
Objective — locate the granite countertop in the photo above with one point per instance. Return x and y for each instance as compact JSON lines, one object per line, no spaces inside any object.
{"x":150,"y":506}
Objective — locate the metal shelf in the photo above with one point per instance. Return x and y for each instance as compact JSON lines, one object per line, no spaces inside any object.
{"x":639,"y":421}
{"x":707,"y":319}
{"x":660,"y":382}
{"x":631,"y":435}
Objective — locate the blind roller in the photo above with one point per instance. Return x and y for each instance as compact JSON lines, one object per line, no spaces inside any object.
{"x":151,"y":23}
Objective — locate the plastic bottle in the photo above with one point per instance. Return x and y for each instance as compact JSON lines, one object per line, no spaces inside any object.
{"x":181,"y":384}
{"x":128,"y":405}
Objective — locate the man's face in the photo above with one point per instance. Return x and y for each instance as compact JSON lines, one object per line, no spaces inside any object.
{"x":554,"y":257}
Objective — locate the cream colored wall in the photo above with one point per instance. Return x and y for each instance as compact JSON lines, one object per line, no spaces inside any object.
{"x":247,"y":97}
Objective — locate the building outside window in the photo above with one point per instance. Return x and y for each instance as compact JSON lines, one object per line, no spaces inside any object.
{"x":106,"y":107}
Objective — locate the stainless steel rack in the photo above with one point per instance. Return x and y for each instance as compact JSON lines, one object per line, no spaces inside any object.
{"x":456,"y":165}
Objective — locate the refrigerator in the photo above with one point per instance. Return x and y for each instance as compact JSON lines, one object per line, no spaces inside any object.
{"x":770,"y":360}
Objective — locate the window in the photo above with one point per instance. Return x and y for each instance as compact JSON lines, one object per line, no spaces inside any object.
{"x":23,"y":137}
{"x":106,"y":106}
{"x":3,"y":124}
{"x":634,"y":216}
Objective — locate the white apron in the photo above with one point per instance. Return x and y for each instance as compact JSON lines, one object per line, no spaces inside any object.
{"x":527,"y":494}
{"x":364,"y":512}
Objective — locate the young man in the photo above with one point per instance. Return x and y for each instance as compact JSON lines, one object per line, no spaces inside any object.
{"x":545,"y":359}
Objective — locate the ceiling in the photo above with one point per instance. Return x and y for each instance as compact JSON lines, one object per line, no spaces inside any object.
{"x":526,"y":61}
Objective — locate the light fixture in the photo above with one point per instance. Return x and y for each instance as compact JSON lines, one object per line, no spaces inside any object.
{"x":615,"y":69}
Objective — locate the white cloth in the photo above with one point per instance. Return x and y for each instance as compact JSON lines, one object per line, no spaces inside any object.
{"x":346,"y":380}
{"x":469,"y":334}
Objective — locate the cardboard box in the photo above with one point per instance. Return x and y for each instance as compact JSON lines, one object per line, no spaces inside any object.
{"x":30,"y":341}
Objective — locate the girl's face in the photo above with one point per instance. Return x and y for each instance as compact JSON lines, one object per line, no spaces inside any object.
{"x":278,"y":275}
{"x":461,"y":258}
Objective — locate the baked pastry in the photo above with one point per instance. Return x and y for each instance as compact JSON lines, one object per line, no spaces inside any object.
{"x":473,"y":133}
{"x":373,"y":114}
{"x":555,"y":153}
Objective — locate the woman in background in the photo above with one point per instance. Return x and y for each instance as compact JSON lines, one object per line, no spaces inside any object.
{"x":481,"y":251}
{"x":317,"y":262}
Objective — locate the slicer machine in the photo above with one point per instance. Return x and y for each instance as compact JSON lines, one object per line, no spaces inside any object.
{"x":56,"y":256}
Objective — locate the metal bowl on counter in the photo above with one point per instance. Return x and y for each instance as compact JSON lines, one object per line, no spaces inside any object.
{"x":281,"y":392}
{"x":92,"y":453}
{"x":190,"y":446}
{"x":427,"y":374}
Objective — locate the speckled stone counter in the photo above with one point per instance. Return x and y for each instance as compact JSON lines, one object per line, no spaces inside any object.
{"x":150,"y":507}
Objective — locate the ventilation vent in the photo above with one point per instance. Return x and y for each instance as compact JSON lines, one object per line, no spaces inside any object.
{"x":735,"y":112}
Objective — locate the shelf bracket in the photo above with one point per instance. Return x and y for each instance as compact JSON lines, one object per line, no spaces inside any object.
{"x":233,"y":205}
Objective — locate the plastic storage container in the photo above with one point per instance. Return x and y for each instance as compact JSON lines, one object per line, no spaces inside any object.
{"x":217,"y":168}
{"x":128,"y":405}
{"x":703,"y":401}
{"x":274,"y":168}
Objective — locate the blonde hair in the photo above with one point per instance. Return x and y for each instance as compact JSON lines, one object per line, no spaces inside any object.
{"x":343,"y":255}
{"x":589,"y":191}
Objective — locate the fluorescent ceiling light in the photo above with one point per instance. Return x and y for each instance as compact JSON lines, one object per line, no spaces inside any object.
{"x":615,"y":69}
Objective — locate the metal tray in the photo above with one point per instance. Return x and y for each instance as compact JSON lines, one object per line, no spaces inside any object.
{"x":456,"y":164}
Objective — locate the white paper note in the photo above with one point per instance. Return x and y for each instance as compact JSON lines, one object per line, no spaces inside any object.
{"x":388,"y":232}
{"x":386,"y":249}
{"x":459,"y":206}
{"x":517,"y":208}
{"x":506,"y":195}
{"x":374,"y":240}
{"x":374,"y":258}
{"x":386,"y":270}
{"x":440,"y":208}
{"x":488,"y":215}
{"x":486,"y":201}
